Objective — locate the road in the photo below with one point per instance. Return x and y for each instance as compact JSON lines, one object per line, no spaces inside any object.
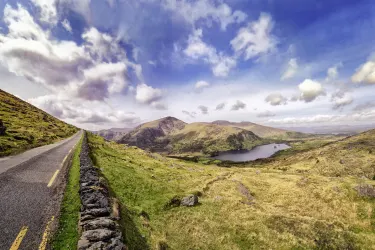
{"x":30,"y":184}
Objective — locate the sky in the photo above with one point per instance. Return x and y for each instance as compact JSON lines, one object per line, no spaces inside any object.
{"x":100,"y":64}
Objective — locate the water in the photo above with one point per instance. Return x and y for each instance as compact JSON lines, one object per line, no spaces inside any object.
{"x":259,"y":152}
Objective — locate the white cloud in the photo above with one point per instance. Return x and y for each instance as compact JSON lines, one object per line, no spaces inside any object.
{"x":191,"y":115}
{"x":238,"y":105}
{"x":201,"y":85}
{"x":365,"y":116}
{"x":276,"y":99}
{"x":148,"y":95}
{"x":255,"y":39}
{"x":47,"y":11}
{"x":206,"y":10}
{"x":93,"y":70}
{"x":341,"y":98}
{"x":365,"y":73}
{"x":364,"y":106}
{"x":291,"y":70}
{"x":198,"y":50}
{"x":310,"y":90}
{"x":266,"y":114}
{"x":220,"y":106}
{"x":81,"y":113}
{"x":203,"y":109}
{"x":66,"y":25}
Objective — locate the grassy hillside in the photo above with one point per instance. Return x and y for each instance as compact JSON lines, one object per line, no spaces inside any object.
{"x":28,"y":126}
{"x":263,"y":131}
{"x":352,"y":156}
{"x":263,"y":207}
{"x":172,"y":136}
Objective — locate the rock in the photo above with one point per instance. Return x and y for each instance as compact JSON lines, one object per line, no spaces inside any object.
{"x":98,"y":234}
{"x":174,"y":202}
{"x":98,"y":246}
{"x":342,"y":161}
{"x":83,"y":244}
{"x":115,"y":209}
{"x":366,"y":190}
{"x":116,"y":244}
{"x":189,"y":201}
{"x":97,"y":212}
{"x":2,"y":128}
{"x":101,"y":222}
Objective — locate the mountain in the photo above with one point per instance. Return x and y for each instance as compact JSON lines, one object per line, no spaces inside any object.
{"x":262,"y":131}
{"x":27,"y":126}
{"x":173,"y":136}
{"x":113,"y":134}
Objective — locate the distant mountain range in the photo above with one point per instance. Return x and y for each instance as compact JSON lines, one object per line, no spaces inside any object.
{"x":173,"y":136}
{"x":113,"y":134}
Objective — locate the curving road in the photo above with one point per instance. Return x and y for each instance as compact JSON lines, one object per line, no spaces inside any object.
{"x":30,"y":193}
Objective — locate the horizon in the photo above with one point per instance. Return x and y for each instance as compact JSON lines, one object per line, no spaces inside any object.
{"x":90,"y":63}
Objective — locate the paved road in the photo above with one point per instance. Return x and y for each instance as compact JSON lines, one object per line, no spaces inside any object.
{"x":29,"y":184}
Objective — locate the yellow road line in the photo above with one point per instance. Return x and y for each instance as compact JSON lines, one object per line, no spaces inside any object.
{"x":53,"y":178}
{"x":17,"y":242}
{"x":43,"y":243}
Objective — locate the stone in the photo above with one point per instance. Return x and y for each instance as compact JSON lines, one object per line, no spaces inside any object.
{"x":97,"y":212}
{"x":83,"y":243}
{"x":116,"y":244}
{"x":189,"y":201}
{"x":366,"y":190}
{"x":98,"y":246}
{"x":2,"y":128}
{"x":342,"y":161}
{"x":98,"y":223}
{"x":115,"y":209}
{"x":98,"y":234}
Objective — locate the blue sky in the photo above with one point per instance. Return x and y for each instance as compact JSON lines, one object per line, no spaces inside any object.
{"x":113,"y":63}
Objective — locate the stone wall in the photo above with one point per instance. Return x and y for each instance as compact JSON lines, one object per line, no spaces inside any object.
{"x":98,"y":220}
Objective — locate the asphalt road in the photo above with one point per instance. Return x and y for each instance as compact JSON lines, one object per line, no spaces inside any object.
{"x":29,"y":185}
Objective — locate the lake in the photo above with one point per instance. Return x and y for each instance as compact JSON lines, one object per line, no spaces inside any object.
{"x":259,"y":152}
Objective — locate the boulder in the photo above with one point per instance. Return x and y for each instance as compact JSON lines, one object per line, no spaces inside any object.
{"x":2,"y":128}
{"x":189,"y":201}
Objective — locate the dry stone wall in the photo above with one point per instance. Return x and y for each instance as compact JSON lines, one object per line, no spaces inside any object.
{"x":98,"y":222}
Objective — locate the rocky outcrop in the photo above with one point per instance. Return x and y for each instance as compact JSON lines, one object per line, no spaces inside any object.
{"x":98,"y":224}
{"x":189,"y":201}
{"x":2,"y":128}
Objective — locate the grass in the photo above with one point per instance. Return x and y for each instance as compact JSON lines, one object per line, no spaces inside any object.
{"x":67,"y":235}
{"x":258,"y":207}
{"x":28,"y":126}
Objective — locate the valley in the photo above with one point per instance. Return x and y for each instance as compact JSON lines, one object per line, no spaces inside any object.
{"x":313,"y":199}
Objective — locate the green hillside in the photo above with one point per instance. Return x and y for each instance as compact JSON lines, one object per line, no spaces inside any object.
{"x":27,"y":126}
{"x":307,"y":201}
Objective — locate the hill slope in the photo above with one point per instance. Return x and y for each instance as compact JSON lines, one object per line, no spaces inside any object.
{"x":262,"y":131}
{"x":27,"y":126}
{"x":354,"y":155}
{"x":173,"y":136}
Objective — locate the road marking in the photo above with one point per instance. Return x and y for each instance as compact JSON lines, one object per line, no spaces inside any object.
{"x":53,"y":178}
{"x":17,"y":242}
{"x":43,"y":244}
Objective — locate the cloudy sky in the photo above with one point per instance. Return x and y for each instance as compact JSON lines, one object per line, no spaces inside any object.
{"x":115,"y":63}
